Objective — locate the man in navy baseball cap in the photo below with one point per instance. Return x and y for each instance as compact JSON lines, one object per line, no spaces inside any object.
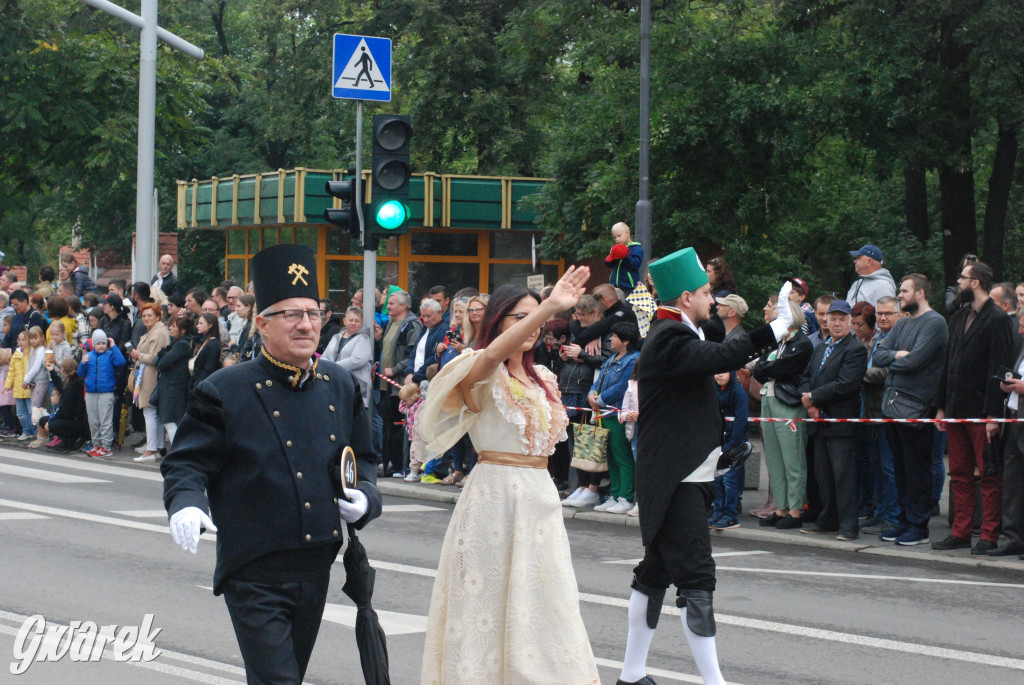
{"x":874,"y":281}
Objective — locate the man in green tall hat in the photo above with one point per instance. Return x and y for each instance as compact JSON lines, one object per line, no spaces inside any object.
{"x":679,"y":446}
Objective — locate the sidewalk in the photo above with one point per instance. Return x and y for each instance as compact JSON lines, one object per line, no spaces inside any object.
{"x":750,"y":530}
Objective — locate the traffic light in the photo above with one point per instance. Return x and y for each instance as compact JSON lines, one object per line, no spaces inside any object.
{"x":346,"y":217}
{"x":388,"y":214}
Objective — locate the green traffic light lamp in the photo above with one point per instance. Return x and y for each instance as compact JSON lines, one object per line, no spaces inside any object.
{"x":392,"y":214}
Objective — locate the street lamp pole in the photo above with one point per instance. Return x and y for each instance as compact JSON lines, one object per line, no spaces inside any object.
{"x":643,"y":204}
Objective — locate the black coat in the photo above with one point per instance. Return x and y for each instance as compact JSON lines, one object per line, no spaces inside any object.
{"x":72,"y":405}
{"x":171,"y":284}
{"x":789,"y":366}
{"x":207,"y":361}
{"x":968,"y":389}
{"x":835,"y":389}
{"x":680,"y":423}
{"x":618,"y":312}
{"x":174,"y":380}
{"x":118,"y":328}
{"x":254,"y":451}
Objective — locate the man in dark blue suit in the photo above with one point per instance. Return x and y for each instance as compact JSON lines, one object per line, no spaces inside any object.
{"x":252,"y":460}
{"x":830,"y":388}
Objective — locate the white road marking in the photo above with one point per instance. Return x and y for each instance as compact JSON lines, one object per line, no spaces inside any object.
{"x":51,"y":476}
{"x":622,"y":603}
{"x":20,"y":516}
{"x":78,"y":464}
{"x":716,"y":555}
{"x":393,"y":622}
{"x":870,"y":576}
{"x":143,"y":513}
{"x":406,"y":508}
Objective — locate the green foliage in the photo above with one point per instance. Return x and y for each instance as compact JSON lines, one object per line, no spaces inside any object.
{"x":780,"y":132}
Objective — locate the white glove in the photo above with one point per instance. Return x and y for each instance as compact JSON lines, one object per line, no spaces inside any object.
{"x":783,"y":317}
{"x":186,"y":526}
{"x":354,"y":510}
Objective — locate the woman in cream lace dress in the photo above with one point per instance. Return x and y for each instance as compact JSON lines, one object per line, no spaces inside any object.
{"x":505,"y":606}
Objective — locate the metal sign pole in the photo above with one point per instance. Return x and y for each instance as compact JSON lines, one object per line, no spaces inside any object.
{"x":369,"y":251}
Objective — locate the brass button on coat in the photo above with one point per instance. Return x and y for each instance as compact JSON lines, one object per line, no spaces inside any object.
{"x":308,"y":537}
{"x":277,"y":414}
{"x":269,"y":382}
{"x":335,"y":533}
{"x":306,"y":505}
{"x":333,"y":438}
{"x":331,"y":407}
{"x":288,"y":443}
{"x":298,"y":475}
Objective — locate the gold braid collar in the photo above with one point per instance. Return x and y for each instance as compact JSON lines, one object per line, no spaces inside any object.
{"x":288,"y":367}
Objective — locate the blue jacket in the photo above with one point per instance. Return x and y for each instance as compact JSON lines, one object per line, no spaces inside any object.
{"x":732,"y":400}
{"x":98,"y":373}
{"x":434,"y":336}
{"x":626,"y":271}
{"x":610,"y":385}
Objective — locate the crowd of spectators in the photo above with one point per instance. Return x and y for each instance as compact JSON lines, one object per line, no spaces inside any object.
{"x":80,"y":371}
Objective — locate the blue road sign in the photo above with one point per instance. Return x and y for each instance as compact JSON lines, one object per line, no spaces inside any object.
{"x":362,"y":68}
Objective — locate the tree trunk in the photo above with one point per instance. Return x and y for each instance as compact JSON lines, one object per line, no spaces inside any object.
{"x":994,"y":228}
{"x":218,"y":25}
{"x":959,"y":230}
{"x":915,"y":201}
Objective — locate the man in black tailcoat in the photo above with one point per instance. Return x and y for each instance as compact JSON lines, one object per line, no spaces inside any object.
{"x":252,"y":461}
{"x":679,"y":444}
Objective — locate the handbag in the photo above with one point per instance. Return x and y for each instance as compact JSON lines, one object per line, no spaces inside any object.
{"x":590,"y":447}
{"x":788,"y":394}
{"x":897,"y":405}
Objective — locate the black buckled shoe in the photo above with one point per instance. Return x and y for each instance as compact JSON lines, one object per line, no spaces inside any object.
{"x":646,"y":680}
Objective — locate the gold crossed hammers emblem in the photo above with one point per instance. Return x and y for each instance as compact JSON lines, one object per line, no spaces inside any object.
{"x":298,"y":271}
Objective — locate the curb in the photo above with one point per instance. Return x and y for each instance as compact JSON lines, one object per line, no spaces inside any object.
{"x":963,"y":559}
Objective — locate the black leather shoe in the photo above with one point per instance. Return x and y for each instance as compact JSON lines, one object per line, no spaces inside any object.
{"x":646,"y":680}
{"x":770,"y":521}
{"x":1006,"y":550}
{"x":817,"y":529}
{"x":983,"y":547}
{"x":789,"y":522}
{"x":950,"y":542}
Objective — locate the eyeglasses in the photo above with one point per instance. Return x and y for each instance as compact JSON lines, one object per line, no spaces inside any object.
{"x":474,"y":310}
{"x":878,"y":313}
{"x":517,"y":317}
{"x":295,"y":315}
{"x":965,"y":277}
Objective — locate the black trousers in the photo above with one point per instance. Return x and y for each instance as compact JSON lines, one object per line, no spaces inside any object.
{"x":393,"y":434}
{"x":680,"y":553}
{"x":276,"y":625}
{"x":911,"y":446}
{"x":1013,"y":485}
{"x":835,"y":466}
{"x":68,"y":429}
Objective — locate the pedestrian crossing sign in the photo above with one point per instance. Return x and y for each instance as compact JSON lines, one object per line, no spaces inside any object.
{"x":362,"y":68}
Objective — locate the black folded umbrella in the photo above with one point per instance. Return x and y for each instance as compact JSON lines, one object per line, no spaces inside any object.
{"x":370,"y":639}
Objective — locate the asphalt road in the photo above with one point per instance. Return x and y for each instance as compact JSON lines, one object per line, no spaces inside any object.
{"x":86,"y":540}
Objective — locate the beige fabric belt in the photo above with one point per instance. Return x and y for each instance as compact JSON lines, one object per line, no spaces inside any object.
{"x":512,"y":459}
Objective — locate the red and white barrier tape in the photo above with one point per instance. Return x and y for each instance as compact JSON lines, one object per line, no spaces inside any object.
{"x":792,"y":422}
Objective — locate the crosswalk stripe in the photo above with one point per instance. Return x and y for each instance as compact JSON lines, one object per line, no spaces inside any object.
{"x":51,"y":476}
{"x":716,"y":555}
{"x":77,"y":464}
{"x":20,"y":516}
{"x":143,"y":513}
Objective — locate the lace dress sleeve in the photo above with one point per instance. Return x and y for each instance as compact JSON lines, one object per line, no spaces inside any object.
{"x":444,"y":416}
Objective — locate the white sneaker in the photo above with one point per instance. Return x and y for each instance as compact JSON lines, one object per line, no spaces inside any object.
{"x":25,"y":436}
{"x":145,"y":458}
{"x":607,"y":504}
{"x":635,"y":511}
{"x":571,"y":500}
{"x":588,"y":499}
{"x":621,"y":507}
{"x":413,"y":477}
